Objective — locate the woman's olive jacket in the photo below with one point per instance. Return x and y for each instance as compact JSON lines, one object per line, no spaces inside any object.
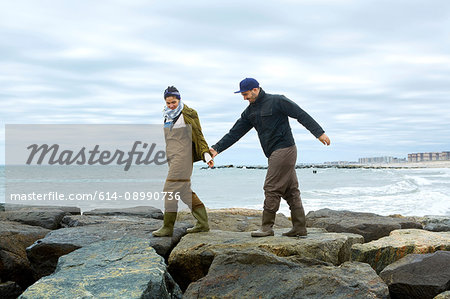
{"x":199,"y":145}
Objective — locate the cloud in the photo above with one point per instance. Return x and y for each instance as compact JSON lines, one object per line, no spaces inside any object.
{"x":374,"y":74}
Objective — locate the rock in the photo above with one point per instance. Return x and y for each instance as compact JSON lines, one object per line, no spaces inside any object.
{"x":141,"y":211}
{"x":82,"y":220}
{"x":235,"y":219}
{"x":370,"y":226}
{"x":14,"y":238}
{"x":398,"y":244}
{"x":418,"y":275}
{"x":69,"y":210}
{"x":192,"y":257}
{"x":436,"y":223}
{"x":445,"y":295}
{"x":46,"y":218}
{"x":10,"y":290}
{"x":44,"y":254}
{"x":2,"y":207}
{"x":126,"y":267}
{"x":258,"y":274}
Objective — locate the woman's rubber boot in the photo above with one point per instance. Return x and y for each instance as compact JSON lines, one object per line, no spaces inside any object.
{"x":268,"y":220}
{"x":167,"y":229}
{"x":202,"y":221}
{"x":298,"y":224}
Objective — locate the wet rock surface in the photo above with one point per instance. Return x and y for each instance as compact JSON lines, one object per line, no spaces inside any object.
{"x":418,"y":275}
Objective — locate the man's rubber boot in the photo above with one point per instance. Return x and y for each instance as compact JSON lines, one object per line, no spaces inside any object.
{"x":202,"y":221}
{"x":268,"y":220}
{"x":167,"y":229}
{"x":298,"y":224}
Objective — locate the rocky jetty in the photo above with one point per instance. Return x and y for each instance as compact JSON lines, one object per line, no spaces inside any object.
{"x":398,"y":244}
{"x":418,"y":275}
{"x":191,"y":258}
{"x":332,"y":261}
{"x":370,"y":226}
{"x":255,"y":273}
{"x":122,"y":268}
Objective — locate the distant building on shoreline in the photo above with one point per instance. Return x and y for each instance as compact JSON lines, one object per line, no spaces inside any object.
{"x":434,"y":156}
{"x":339,"y":163}
{"x":376,"y":160}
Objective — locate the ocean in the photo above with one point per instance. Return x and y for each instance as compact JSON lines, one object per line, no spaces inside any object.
{"x":409,"y":192}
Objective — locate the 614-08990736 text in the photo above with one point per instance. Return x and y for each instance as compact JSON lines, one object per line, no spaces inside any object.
{"x":97,"y":195}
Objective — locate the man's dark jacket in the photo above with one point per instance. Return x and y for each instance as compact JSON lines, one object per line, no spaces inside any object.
{"x":269,"y":116}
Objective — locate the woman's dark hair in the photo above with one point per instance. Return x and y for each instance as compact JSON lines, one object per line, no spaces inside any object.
{"x":172,"y":91}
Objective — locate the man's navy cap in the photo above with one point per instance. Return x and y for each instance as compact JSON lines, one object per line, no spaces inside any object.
{"x":247,"y":84}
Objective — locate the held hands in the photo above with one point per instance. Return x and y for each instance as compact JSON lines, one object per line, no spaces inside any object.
{"x":323,"y":138}
{"x":211,"y":164}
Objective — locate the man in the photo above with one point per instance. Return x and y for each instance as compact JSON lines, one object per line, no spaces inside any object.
{"x":268,"y":114}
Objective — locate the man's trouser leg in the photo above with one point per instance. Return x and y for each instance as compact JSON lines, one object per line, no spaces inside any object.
{"x":292,"y":196}
{"x":275,"y":186}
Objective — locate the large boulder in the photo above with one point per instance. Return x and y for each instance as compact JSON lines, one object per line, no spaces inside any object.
{"x":398,"y":244}
{"x":418,"y":275}
{"x":46,"y":218}
{"x":192,"y":257}
{"x":370,"y":226}
{"x":9,"y":290}
{"x":122,"y":268}
{"x":235,"y":219}
{"x":140,"y":211}
{"x":258,"y":274}
{"x":14,"y":239}
{"x":44,"y":253}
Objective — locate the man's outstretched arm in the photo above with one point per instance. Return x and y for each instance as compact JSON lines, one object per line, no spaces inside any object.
{"x":293,"y":110}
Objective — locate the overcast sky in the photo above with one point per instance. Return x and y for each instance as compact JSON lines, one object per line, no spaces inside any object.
{"x":374,"y":74}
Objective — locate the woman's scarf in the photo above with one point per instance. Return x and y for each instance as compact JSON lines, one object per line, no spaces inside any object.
{"x":170,"y":115}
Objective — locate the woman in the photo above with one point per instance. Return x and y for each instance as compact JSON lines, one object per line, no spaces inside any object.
{"x":185,"y":145}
